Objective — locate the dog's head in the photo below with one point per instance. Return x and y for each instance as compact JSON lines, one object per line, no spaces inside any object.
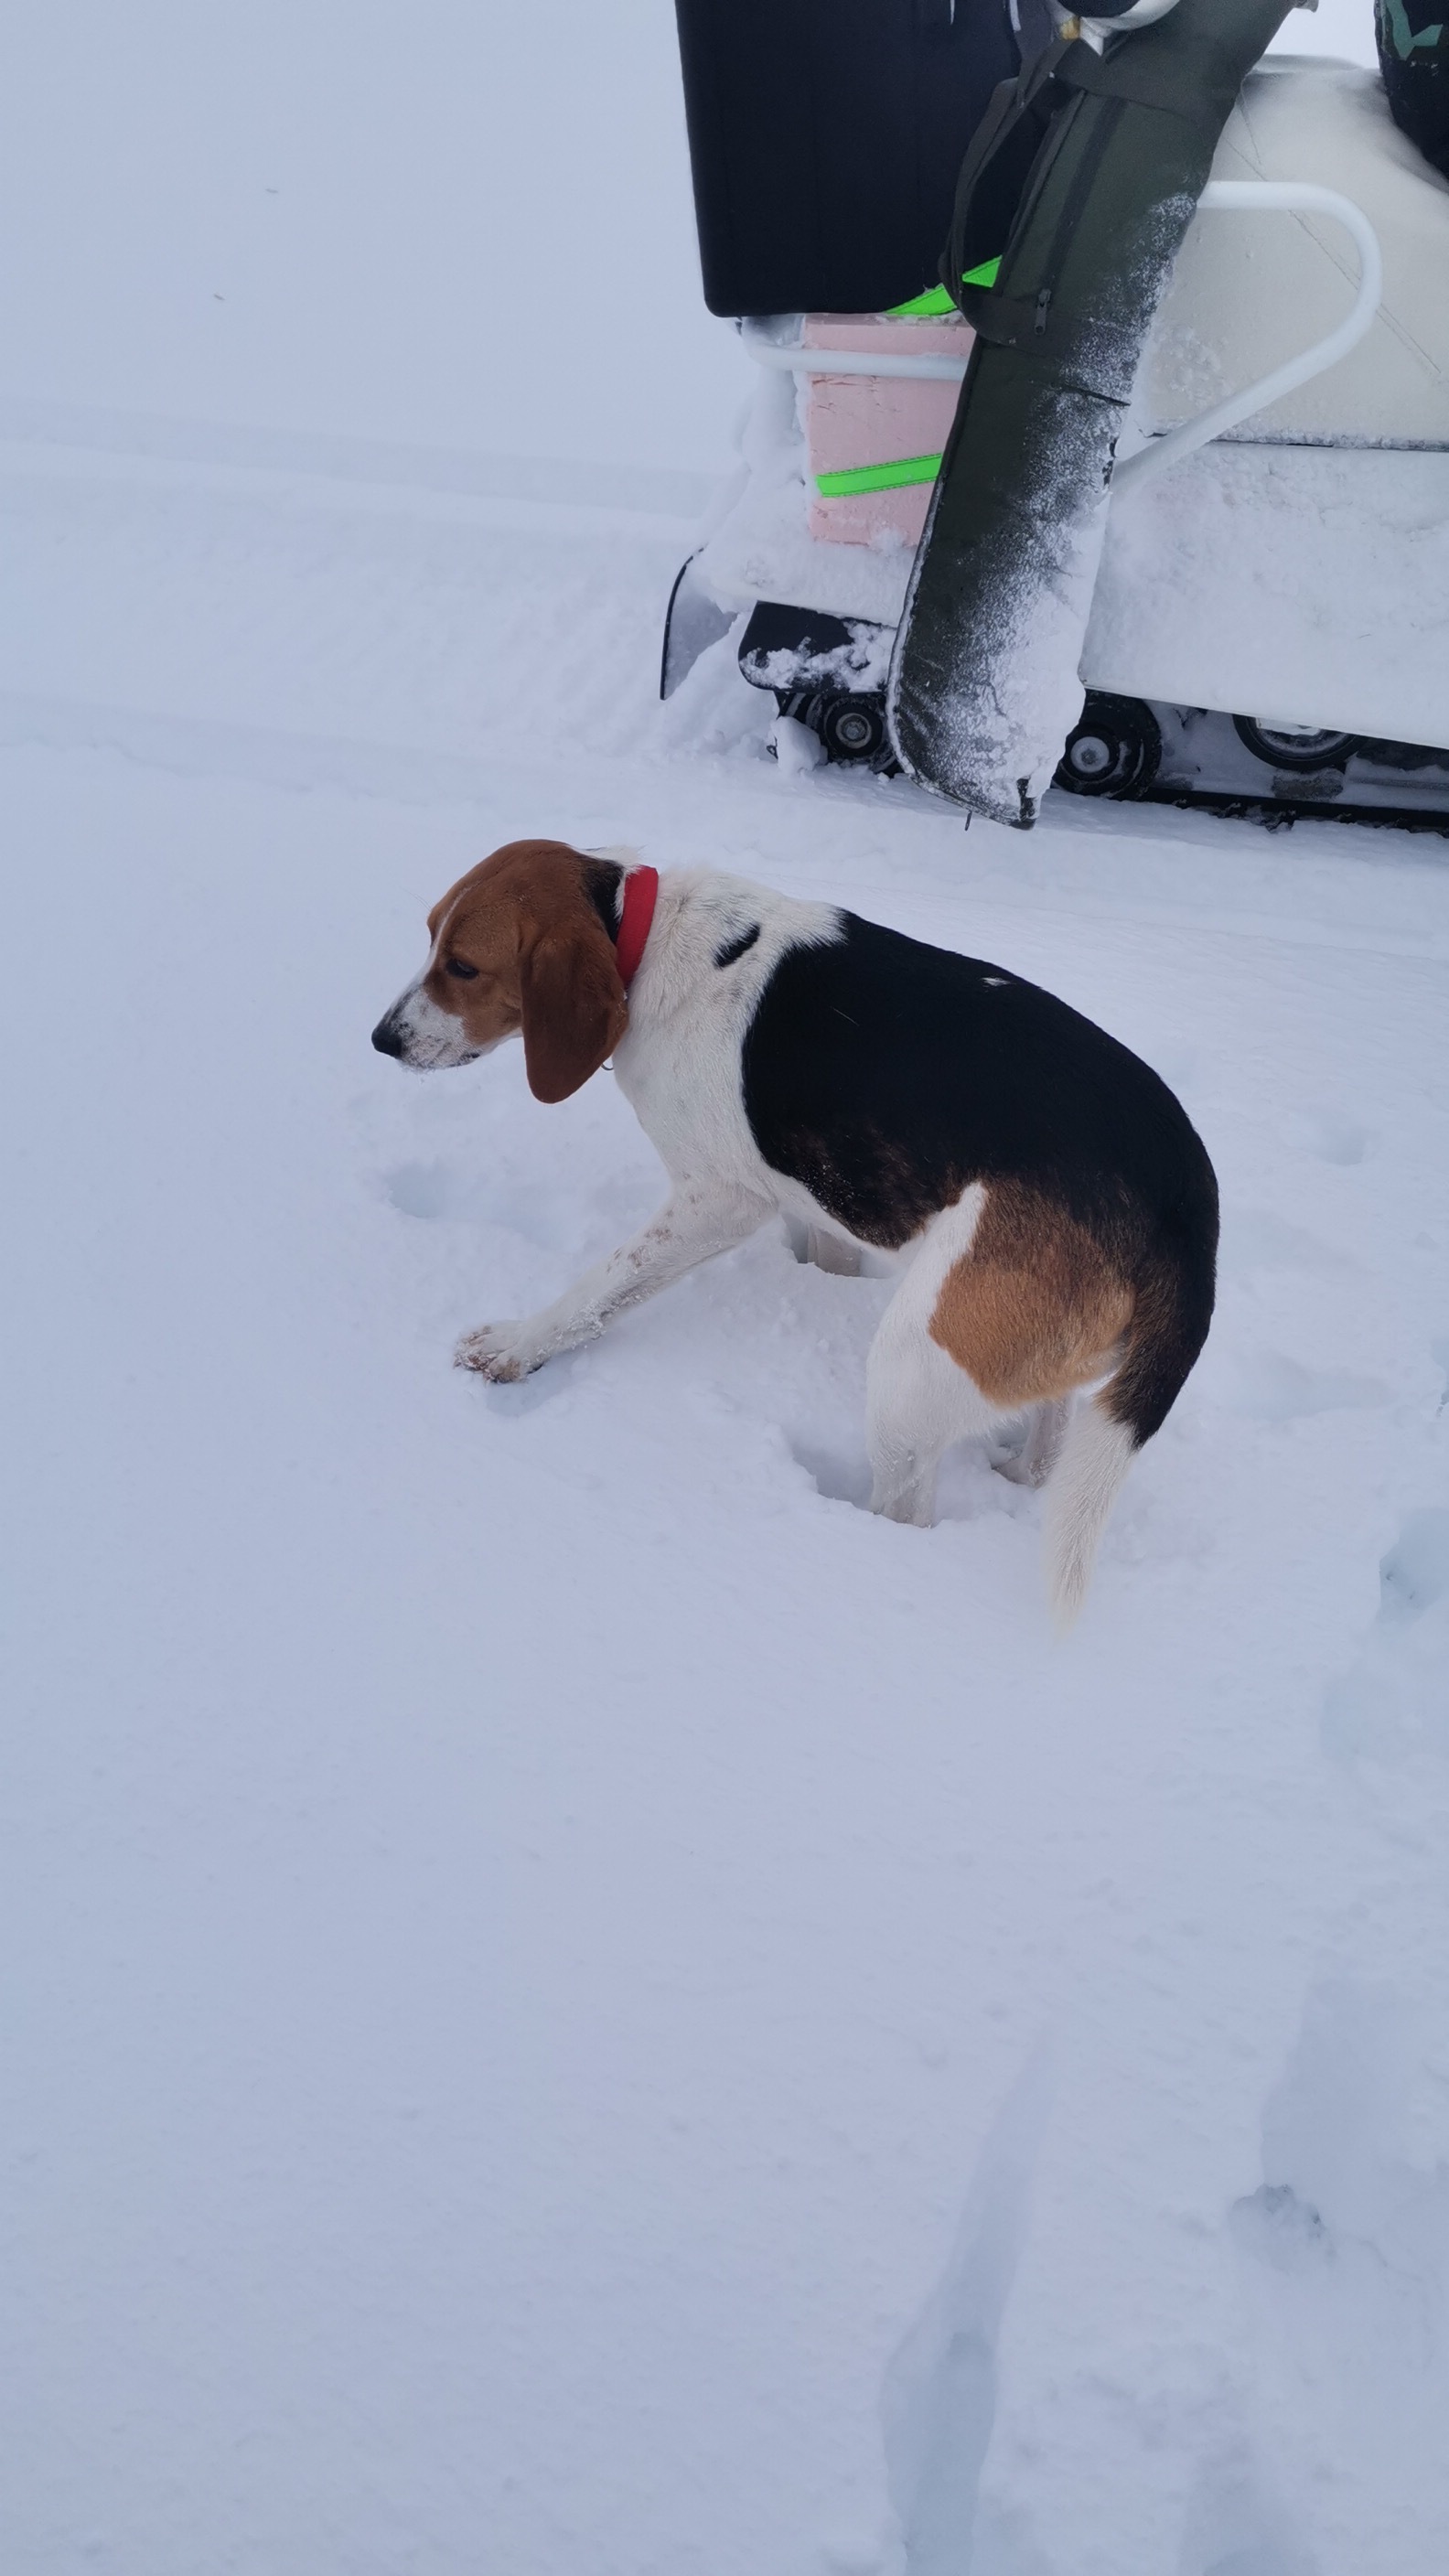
{"x":519,"y":943}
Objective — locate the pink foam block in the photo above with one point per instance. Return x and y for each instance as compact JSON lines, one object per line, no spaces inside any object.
{"x":852,"y":421}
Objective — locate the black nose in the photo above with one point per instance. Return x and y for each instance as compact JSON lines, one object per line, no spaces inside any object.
{"x":386,"y":1039}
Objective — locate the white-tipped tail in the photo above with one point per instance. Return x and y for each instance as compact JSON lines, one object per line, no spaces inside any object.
{"x":1095,"y":1456}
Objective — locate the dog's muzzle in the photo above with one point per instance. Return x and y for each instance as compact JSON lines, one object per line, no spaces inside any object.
{"x":416,"y":1032}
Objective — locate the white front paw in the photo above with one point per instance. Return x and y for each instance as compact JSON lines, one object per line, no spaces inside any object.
{"x":502,"y":1352}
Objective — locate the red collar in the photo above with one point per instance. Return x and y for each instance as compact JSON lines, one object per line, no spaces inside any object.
{"x":641,"y":889}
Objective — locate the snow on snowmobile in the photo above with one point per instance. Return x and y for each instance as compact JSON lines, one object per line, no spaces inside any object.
{"x":1151,"y":500}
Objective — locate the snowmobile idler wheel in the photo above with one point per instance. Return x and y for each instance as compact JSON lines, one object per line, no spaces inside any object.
{"x":851,"y":728}
{"x":1302,"y":747}
{"x":1116,"y":750}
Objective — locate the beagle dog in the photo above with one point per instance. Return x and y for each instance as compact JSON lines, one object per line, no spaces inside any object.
{"x":1052,"y":1212}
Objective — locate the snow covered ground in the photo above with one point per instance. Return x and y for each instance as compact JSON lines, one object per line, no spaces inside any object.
{"x":576,"y":2005}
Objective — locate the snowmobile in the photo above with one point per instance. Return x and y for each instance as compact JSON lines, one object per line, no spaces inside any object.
{"x":1250,"y":607}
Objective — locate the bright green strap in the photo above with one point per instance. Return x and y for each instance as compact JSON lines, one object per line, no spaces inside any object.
{"x":936,"y":300}
{"x":905,"y":469}
{"x":879,"y":478}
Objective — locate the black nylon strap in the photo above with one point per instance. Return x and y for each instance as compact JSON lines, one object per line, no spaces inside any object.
{"x":1189,"y":66}
{"x":1011,"y":101}
{"x":1015,"y":322}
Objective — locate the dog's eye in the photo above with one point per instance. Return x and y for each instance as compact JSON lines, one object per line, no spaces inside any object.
{"x":465,"y":973}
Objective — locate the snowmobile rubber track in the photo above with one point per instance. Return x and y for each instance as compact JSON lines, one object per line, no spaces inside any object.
{"x":816,"y":665}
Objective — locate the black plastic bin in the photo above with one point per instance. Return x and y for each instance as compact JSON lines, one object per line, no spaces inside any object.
{"x":825,"y":138}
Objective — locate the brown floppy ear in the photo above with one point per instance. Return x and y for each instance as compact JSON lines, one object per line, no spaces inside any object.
{"x":574,"y":1011}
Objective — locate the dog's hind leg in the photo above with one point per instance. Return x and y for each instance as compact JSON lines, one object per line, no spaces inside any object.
{"x":918,"y":1404}
{"x":919,"y":1401}
{"x":1046,"y":1428}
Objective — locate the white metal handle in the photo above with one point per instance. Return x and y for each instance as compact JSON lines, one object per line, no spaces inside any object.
{"x":789,"y":355}
{"x":1220,"y":196}
{"x":1290,"y":196}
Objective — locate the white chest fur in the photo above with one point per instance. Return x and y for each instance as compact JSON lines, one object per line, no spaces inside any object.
{"x":679,"y":1062}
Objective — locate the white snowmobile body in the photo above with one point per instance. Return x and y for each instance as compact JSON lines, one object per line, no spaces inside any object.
{"x":1300,"y":566}
{"x":1296,"y":569}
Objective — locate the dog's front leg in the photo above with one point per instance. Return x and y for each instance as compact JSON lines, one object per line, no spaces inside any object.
{"x":699,"y":1220}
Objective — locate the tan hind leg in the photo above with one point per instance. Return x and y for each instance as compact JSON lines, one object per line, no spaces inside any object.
{"x":1032,"y":1310}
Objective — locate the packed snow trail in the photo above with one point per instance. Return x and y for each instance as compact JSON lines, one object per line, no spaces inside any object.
{"x":534,"y":1916}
